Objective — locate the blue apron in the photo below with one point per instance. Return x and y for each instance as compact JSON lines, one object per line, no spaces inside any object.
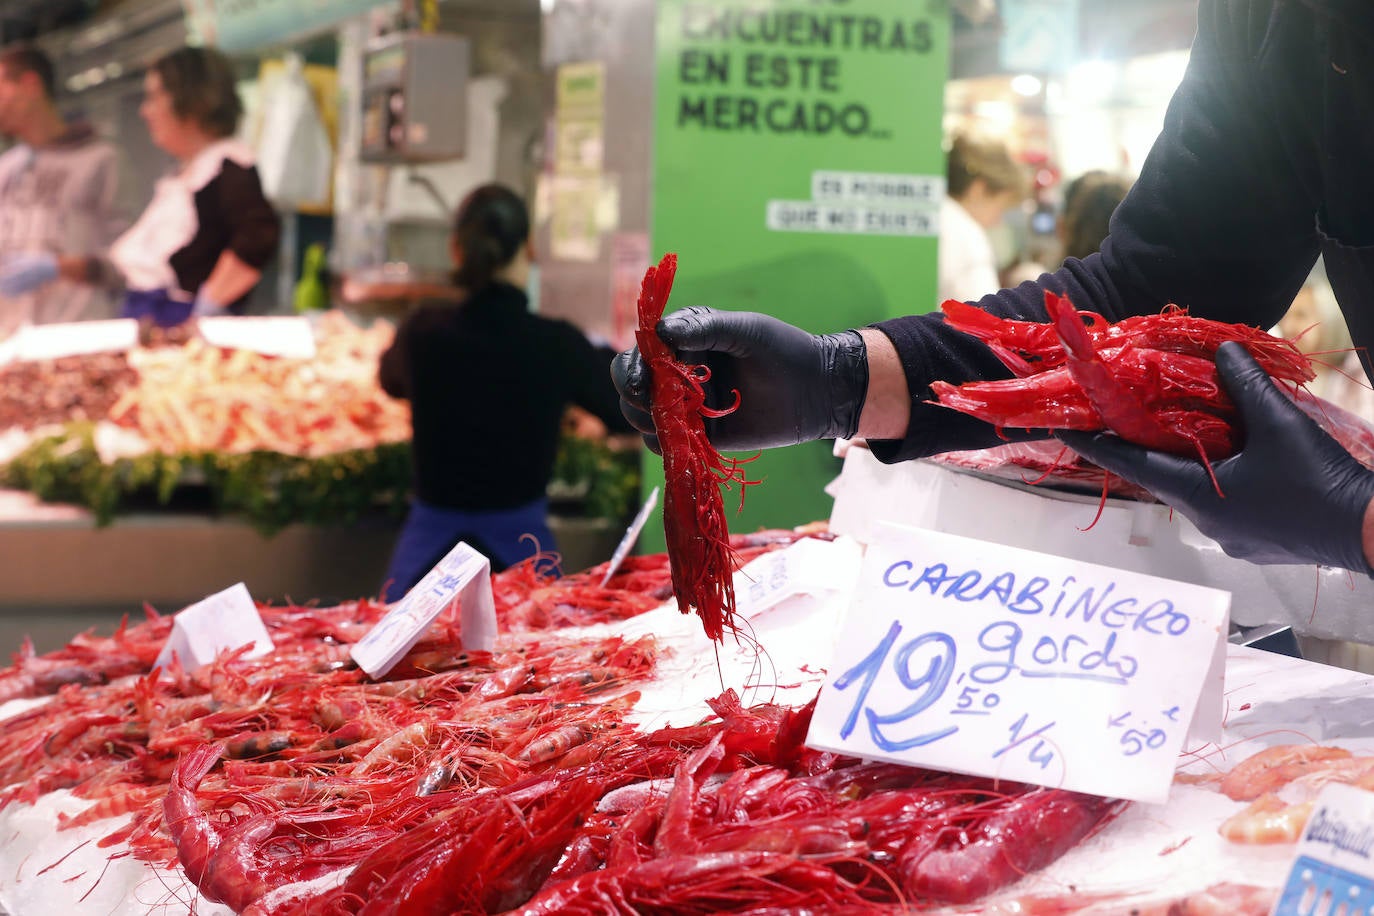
{"x":156,"y":304}
{"x":505,"y":536}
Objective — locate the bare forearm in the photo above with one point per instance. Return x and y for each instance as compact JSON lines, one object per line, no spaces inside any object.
{"x":90,"y":269}
{"x":888,"y":405}
{"x":230,"y":280}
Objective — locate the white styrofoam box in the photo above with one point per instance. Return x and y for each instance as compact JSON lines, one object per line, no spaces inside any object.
{"x":1144,"y":537}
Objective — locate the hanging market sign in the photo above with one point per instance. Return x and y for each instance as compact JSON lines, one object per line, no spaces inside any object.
{"x":242,"y":25}
{"x":797,"y":170}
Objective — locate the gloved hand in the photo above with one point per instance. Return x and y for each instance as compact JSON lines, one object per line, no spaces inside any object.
{"x":1292,"y":494}
{"x":793,"y":386}
{"x":24,"y":273}
{"x":205,"y":307}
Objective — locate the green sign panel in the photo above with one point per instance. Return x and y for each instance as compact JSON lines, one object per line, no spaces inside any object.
{"x":244,"y":25}
{"x":798,"y":171}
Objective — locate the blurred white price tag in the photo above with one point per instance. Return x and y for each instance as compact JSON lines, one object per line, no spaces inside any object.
{"x":49,"y":341}
{"x":809,"y":566}
{"x":622,"y":550}
{"x":225,"y":620}
{"x":1333,"y":870}
{"x":462,"y":575}
{"x":963,"y":655}
{"x":273,"y":335}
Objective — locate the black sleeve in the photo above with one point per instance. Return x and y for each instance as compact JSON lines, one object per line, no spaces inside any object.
{"x":394,"y":368}
{"x":1219,"y":221}
{"x":254,"y":227}
{"x":589,"y":374}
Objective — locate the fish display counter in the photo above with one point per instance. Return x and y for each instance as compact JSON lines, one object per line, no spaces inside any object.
{"x":604,"y":752}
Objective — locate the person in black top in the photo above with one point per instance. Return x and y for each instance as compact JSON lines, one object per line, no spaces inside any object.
{"x":1263,"y":163}
{"x":202,"y":242}
{"x":479,"y":364}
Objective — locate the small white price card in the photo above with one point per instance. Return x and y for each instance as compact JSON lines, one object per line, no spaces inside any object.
{"x":463,"y":575}
{"x":271,"y":335}
{"x":808,"y":566}
{"x":226,"y":620}
{"x":975,"y":657}
{"x":50,"y":341}
{"x":622,"y":550}
{"x":1333,"y":871}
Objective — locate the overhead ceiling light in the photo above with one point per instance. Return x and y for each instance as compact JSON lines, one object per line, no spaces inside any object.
{"x":1026,"y":84}
{"x":547,"y":5}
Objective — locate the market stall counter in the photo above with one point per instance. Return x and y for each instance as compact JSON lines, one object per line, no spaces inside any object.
{"x":594,"y":755}
{"x":63,"y":572}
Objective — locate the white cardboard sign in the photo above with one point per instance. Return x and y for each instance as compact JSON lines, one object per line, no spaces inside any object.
{"x":622,"y":549}
{"x":225,"y":620}
{"x":807,"y":566}
{"x":462,"y":575}
{"x":50,"y":341}
{"x":271,"y":335}
{"x":963,"y":655}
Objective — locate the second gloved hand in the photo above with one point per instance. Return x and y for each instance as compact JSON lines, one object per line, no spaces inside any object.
{"x":1292,"y":494}
{"x":794,"y":386}
{"x":205,"y":307}
{"x":24,"y":273}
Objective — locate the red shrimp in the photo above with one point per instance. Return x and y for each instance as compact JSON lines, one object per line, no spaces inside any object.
{"x":486,"y":855}
{"x":960,"y":864}
{"x":1048,"y":400}
{"x":1274,"y":767}
{"x":1121,"y":407}
{"x":710,"y":883}
{"x":114,"y":804}
{"x":1175,"y":331}
{"x":196,"y":839}
{"x":1181,"y":394}
{"x":1024,"y":347}
{"x":1029,"y":347}
{"x":699,"y":551}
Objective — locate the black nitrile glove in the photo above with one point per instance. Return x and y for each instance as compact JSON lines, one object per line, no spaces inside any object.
{"x":793,"y":386}
{"x":1292,"y":493}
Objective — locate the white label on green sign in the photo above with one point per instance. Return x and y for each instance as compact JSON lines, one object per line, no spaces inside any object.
{"x":975,"y":657}
{"x":877,"y":188}
{"x":224,"y":621}
{"x":462,"y":575}
{"x":848,"y":218}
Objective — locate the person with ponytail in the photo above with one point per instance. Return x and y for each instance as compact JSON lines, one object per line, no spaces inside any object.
{"x":479,"y":363}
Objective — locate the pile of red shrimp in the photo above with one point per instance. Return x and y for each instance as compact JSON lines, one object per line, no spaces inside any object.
{"x":1150,"y":379}
{"x":508,"y":781}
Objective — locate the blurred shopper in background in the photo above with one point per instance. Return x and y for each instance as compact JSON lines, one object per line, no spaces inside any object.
{"x":1087,"y":208}
{"x":57,"y":192}
{"x":1089,"y":202}
{"x":479,"y":364}
{"x":201,"y":244}
{"x":983,"y":181}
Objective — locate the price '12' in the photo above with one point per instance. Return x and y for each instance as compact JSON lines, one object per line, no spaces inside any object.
{"x":929,"y":686}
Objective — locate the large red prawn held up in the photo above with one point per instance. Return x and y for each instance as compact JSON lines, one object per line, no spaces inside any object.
{"x":699,"y":552}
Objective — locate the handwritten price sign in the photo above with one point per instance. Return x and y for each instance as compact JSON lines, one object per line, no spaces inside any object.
{"x":463,"y":575}
{"x":975,"y":657}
